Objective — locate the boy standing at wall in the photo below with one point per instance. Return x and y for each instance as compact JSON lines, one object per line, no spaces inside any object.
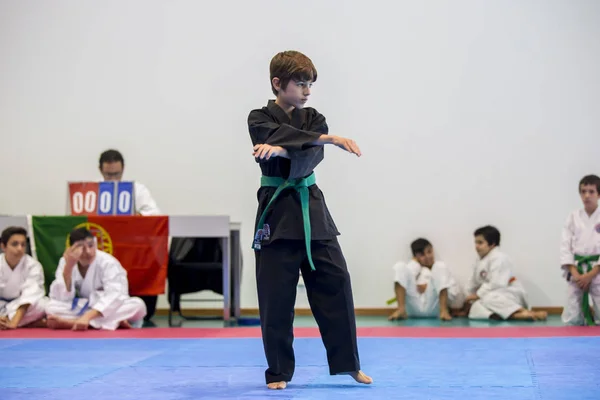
{"x":580,"y":255}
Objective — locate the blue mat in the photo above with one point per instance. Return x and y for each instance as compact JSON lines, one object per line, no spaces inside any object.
{"x":180,"y":369}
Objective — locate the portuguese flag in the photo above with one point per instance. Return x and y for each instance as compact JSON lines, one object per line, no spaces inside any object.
{"x":139,"y":243}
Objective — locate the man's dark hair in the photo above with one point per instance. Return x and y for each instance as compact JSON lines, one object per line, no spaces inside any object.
{"x":111,"y":156}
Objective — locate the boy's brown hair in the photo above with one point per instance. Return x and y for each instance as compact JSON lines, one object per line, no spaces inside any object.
{"x":10,"y":232}
{"x":590,"y":180}
{"x":291,"y":65}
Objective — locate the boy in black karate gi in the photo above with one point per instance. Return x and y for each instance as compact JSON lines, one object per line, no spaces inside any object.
{"x":294,"y":230}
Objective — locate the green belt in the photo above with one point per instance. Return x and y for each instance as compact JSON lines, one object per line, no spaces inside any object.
{"x":301,"y":186}
{"x":586,"y":261}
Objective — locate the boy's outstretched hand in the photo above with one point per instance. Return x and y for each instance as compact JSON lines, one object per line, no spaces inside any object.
{"x":347,"y":144}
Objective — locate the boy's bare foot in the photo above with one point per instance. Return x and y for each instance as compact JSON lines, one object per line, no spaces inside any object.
{"x":277,"y":385}
{"x":458,"y":312}
{"x":81,"y":325}
{"x":445,"y":316}
{"x":55,"y":322}
{"x":124,"y":325}
{"x":399,"y":313}
{"x":360,"y":377}
{"x":540,"y":315}
{"x":40,"y":323}
{"x":528,"y":315}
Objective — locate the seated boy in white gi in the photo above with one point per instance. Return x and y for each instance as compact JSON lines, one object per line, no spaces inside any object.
{"x":494,"y":292}
{"x":580,"y":256}
{"x":91,"y":289}
{"x":425,"y":287}
{"x":22,"y":292}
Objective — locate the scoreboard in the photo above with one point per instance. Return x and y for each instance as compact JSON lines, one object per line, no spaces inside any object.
{"x":101,"y":198}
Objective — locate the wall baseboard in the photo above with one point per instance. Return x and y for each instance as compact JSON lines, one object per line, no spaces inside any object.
{"x":372,"y":312}
{"x":549,"y":310}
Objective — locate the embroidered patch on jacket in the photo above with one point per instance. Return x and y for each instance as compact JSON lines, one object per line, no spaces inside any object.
{"x":266,"y":232}
{"x":483,"y":274}
{"x":262,"y":234}
{"x":597,"y":228}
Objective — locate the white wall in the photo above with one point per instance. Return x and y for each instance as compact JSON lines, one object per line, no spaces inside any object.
{"x":467,"y":112}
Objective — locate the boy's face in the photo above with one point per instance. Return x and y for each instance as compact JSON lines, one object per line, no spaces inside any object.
{"x":482,"y":246}
{"x":295,"y":94}
{"x":88,"y":251}
{"x":14,"y":250}
{"x":427,"y":258}
{"x":589,"y":196}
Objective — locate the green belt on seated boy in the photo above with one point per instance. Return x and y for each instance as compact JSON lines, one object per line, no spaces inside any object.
{"x":301,"y":186}
{"x":584,"y":265}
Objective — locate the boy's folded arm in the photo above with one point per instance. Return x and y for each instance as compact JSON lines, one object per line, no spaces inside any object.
{"x":264,"y":130}
{"x":304,"y":162}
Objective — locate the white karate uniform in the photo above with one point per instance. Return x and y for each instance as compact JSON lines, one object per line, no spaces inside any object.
{"x":581,"y":236}
{"x":497,"y":288}
{"x":22,"y":285}
{"x":144,"y":203}
{"x":105,"y":289}
{"x":426,"y":304}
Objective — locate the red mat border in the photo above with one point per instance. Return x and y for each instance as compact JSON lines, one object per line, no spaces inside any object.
{"x":308,"y":332}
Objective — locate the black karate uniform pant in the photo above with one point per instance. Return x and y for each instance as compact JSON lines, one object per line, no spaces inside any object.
{"x":150,"y":302}
{"x":330,"y":297}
